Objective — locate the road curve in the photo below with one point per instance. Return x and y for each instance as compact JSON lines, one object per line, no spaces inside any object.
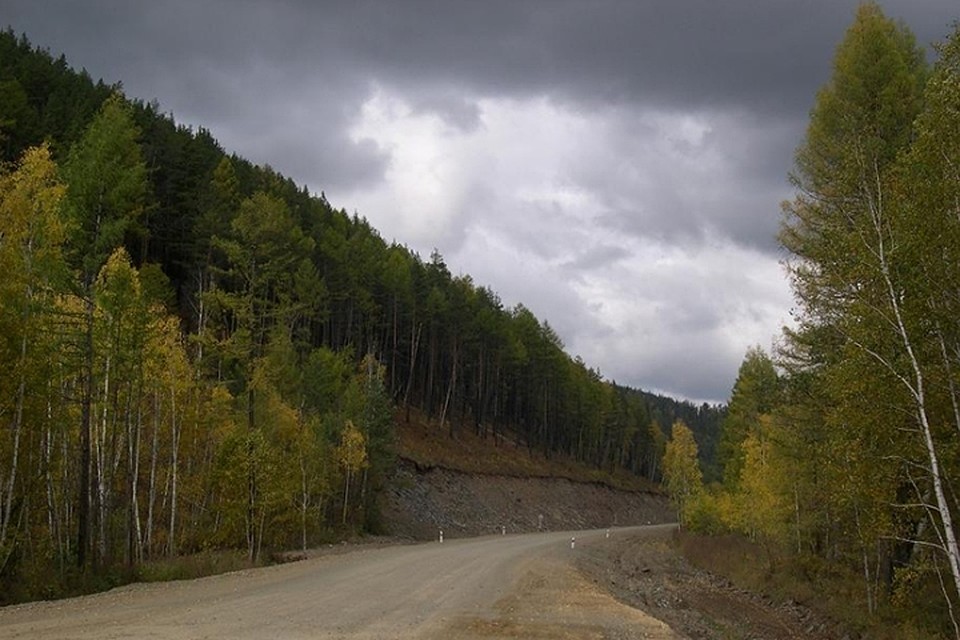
{"x":490,"y":587}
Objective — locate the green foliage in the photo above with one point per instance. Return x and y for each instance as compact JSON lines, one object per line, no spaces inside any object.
{"x":107,"y":187}
{"x":755,"y":394}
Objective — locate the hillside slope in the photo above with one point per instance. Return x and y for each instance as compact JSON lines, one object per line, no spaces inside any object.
{"x":469,"y":485}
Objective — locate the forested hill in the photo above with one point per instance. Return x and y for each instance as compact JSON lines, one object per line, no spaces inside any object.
{"x":200,"y":353}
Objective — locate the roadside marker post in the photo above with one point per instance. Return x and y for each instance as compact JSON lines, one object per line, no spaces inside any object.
{"x":608,"y":533}
{"x":503,"y":530}
{"x":441,"y":536}
{"x":573,"y":542}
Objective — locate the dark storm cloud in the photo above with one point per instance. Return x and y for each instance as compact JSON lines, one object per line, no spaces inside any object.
{"x":271,"y":84}
{"x":203,"y":59}
{"x":678,"y":124}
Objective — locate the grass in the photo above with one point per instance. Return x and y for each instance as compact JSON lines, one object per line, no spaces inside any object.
{"x":424,"y":443}
{"x":43,"y":581}
{"x":197,"y":565}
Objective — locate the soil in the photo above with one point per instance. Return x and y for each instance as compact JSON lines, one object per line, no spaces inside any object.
{"x":420,"y":503}
{"x":650,"y":574}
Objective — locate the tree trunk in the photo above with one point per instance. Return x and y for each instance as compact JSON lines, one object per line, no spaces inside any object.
{"x":101,"y":468}
{"x":453,"y":381}
{"x":304,"y":501}
{"x":918,"y":391}
{"x":174,"y":471}
{"x":252,"y":545}
{"x":86,"y":402}
{"x":152,"y":489}
{"x":346,"y":494}
{"x":137,"y":533}
{"x":415,"y":330}
{"x":16,"y":428}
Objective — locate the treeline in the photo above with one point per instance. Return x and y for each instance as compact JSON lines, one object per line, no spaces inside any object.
{"x":200,"y":354}
{"x":703,"y":421}
{"x":842,"y":453}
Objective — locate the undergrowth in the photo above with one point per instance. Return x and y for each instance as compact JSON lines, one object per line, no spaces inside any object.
{"x":824,"y":587}
{"x":198,"y":565}
{"x":426,"y":444}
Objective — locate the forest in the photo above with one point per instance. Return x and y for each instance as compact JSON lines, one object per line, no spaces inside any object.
{"x":840,"y":452}
{"x":200,"y":354}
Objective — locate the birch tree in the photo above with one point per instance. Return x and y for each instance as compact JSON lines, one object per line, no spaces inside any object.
{"x":352,"y":456}
{"x":681,"y":470}
{"x":32,"y":268}
{"x":873,"y":282}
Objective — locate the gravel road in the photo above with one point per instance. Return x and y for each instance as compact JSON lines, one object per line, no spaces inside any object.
{"x":514,"y":586}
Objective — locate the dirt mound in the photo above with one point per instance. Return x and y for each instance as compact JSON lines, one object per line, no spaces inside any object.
{"x":419,"y":502}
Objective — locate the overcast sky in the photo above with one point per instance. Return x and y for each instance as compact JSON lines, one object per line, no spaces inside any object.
{"x":616,"y":166}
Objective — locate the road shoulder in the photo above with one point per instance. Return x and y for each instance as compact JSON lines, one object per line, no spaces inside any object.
{"x":649,"y":573}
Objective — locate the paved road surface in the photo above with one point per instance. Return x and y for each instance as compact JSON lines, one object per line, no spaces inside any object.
{"x":515,"y":586}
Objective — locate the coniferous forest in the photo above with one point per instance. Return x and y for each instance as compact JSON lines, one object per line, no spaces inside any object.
{"x":200,"y":354}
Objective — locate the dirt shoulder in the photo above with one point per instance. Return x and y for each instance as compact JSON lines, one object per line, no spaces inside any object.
{"x":633,"y":584}
{"x":650,"y":574}
{"x":553,"y":599}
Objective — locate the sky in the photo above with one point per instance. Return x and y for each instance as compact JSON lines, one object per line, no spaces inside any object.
{"x":616,"y":166}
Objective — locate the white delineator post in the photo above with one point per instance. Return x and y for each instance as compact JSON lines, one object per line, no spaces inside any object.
{"x":573,"y":542}
{"x":503,"y":530}
{"x":441,"y":536}
{"x":608,"y":533}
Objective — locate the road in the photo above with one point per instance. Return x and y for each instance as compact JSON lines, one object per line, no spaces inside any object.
{"x":514,"y":586}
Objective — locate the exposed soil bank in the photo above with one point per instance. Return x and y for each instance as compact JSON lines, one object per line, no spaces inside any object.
{"x":419,"y":503}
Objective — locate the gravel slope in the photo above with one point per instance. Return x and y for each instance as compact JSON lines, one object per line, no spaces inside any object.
{"x":420,"y":503}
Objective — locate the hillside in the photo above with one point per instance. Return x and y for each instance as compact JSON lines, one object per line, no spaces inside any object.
{"x":204,"y":355}
{"x":472,"y":485}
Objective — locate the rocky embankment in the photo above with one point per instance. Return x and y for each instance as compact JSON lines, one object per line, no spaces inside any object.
{"x":422,"y":501}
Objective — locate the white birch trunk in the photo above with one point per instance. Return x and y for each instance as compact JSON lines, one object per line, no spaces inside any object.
{"x":101,"y":455}
{"x":17,"y":426}
{"x":918,"y":392}
{"x":174,"y":462}
{"x":152,"y":490}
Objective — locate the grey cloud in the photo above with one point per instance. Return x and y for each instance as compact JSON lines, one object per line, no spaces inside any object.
{"x":766,"y":57}
{"x":597,"y":256}
{"x":455,"y":110}
{"x":729,"y":185}
{"x":282,"y":82}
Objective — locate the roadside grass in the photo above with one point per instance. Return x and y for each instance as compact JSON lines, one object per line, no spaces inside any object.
{"x":423,"y":442}
{"x":824,"y":587}
{"x":196,"y":565}
{"x":46,"y":582}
